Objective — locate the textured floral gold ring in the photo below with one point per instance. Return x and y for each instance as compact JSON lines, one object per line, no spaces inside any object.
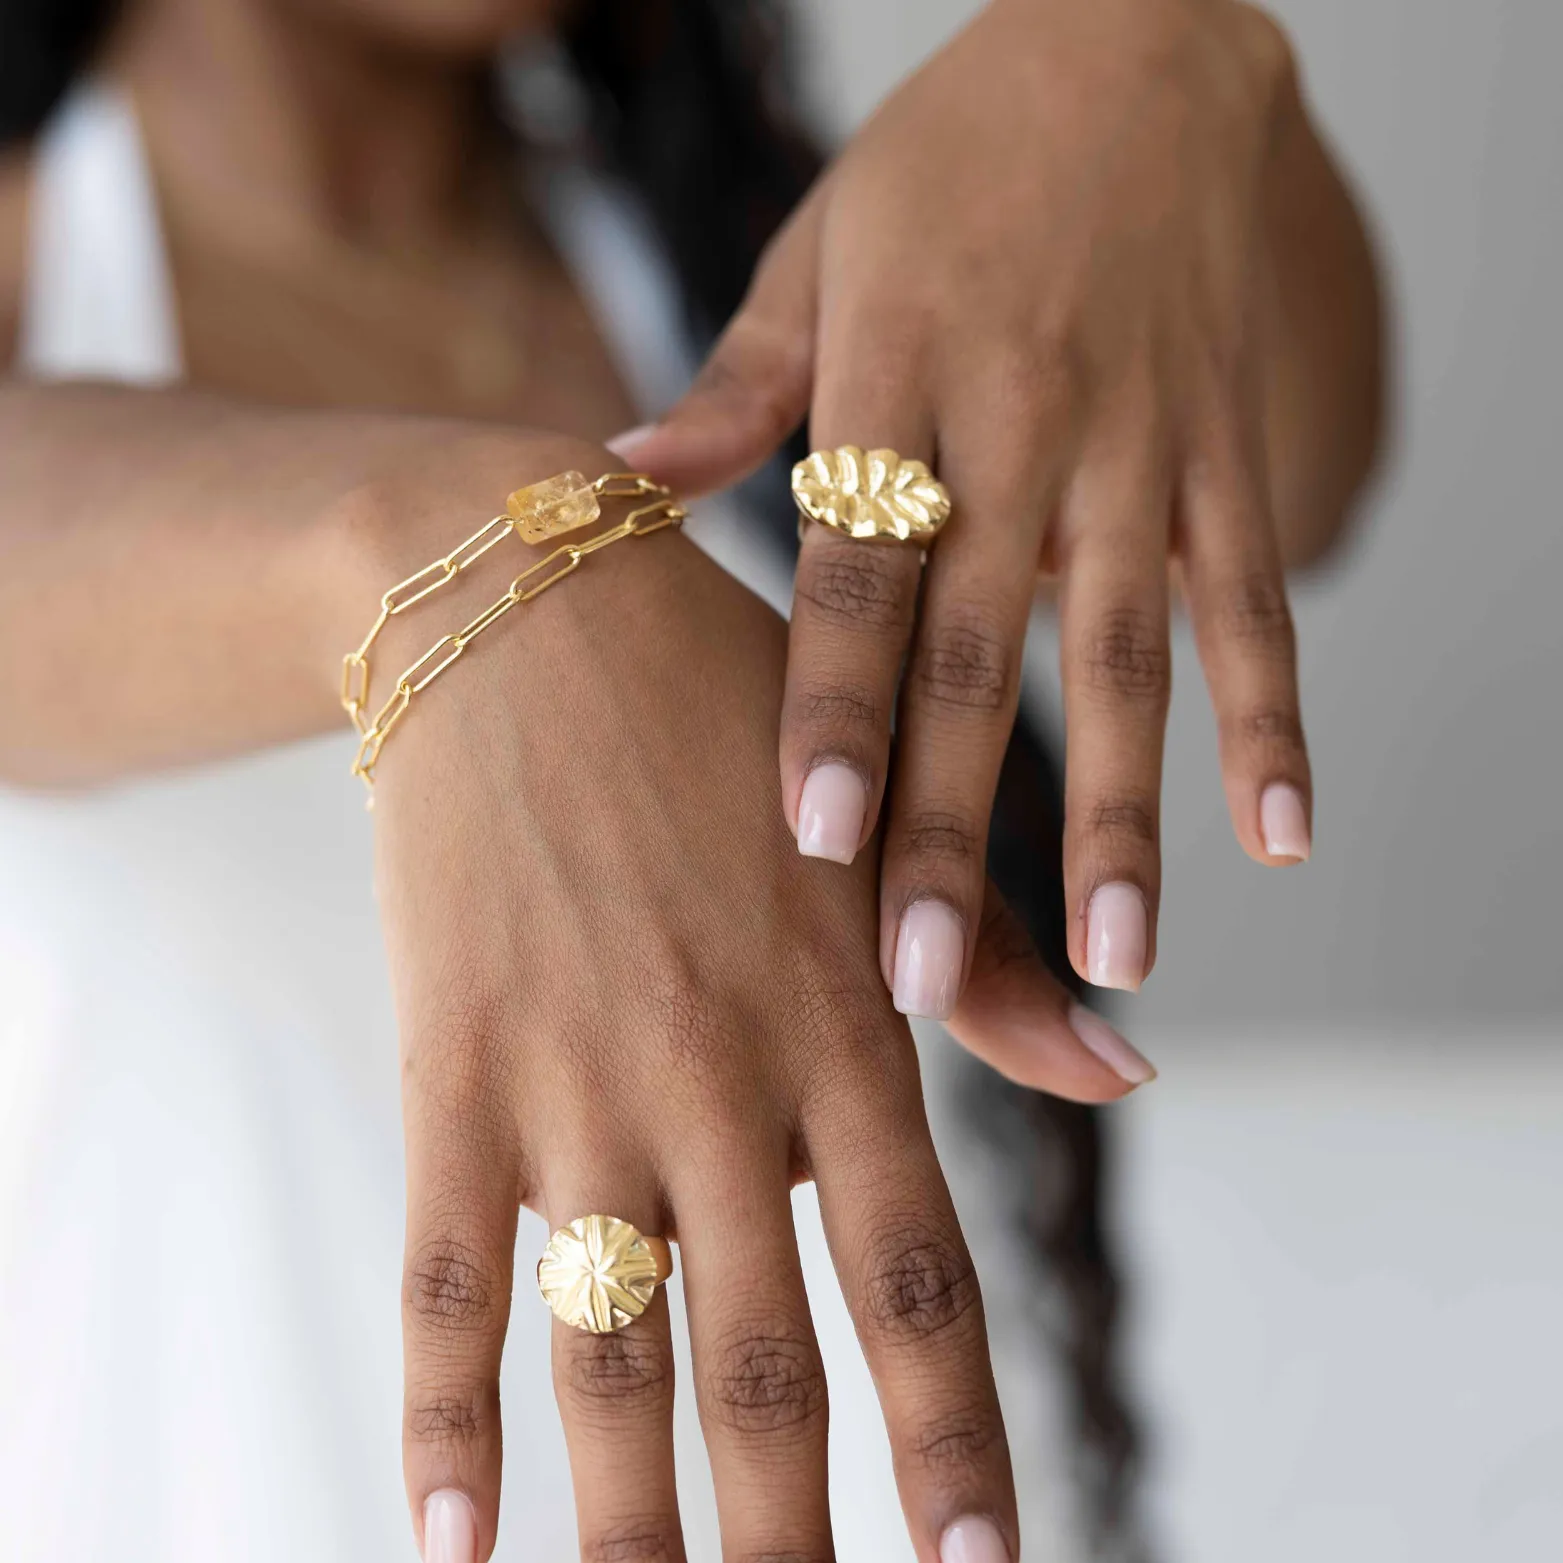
{"x":877,"y":497}
{"x":599,"y":1274}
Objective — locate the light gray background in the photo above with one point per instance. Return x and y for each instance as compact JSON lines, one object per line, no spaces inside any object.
{"x":1432,"y":648}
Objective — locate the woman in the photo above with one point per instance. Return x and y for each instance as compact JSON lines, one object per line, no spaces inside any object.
{"x":618,"y":988}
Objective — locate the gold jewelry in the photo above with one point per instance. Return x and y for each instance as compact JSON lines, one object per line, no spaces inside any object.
{"x":876,"y":498}
{"x":559,"y":504}
{"x":599,"y":1274}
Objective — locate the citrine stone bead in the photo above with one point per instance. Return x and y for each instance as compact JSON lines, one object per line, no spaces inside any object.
{"x":557,"y":504}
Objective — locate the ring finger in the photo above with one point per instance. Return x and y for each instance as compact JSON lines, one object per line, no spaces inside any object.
{"x":758,"y":1374}
{"x":1117,"y":679}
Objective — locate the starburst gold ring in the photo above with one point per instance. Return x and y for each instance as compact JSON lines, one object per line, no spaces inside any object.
{"x":598,"y":1273}
{"x":876,"y":498}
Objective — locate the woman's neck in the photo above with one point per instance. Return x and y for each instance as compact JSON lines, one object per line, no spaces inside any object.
{"x":276,"y":125}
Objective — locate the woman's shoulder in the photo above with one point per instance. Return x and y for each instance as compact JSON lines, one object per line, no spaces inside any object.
{"x":15,"y":164}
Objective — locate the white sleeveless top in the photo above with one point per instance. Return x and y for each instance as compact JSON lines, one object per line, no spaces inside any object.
{"x":201,"y":1189}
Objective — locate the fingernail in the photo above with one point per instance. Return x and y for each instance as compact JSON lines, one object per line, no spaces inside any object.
{"x":830,"y":812}
{"x":1115,"y":938}
{"x":1117,"y":1052}
{"x":450,"y":1528}
{"x":1283,"y":822}
{"x":929,"y":954}
{"x":625,"y":445}
{"x":973,"y":1541}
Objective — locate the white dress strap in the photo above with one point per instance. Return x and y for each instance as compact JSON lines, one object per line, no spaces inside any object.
{"x":97,"y":301}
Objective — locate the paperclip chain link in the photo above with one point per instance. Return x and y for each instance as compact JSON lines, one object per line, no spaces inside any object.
{"x":661,"y":511}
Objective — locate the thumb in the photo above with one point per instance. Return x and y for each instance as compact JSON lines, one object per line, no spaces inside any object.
{"x":1017,"y":1017}
{"x":754,"y":388}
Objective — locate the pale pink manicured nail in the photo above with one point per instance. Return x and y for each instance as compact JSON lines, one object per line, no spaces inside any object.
{"x":973,"y":1541}
{"x":929,"y":954}
{"x":625,"y":445}
{"x":1117,"y":1052}
{"x":830,"y":812}
{"x":450,"y":1528}
{"x":1116,"y":937}
{"x":1283,"y":822}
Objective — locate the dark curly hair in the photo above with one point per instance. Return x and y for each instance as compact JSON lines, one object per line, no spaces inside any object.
{"x":688,"y":101}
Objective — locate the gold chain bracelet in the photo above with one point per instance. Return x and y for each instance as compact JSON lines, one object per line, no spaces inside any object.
{"x":560,"y":504}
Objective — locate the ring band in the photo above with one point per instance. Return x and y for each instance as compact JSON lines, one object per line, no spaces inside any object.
{"x":876,"y":497}
{"x":598,"y":1273}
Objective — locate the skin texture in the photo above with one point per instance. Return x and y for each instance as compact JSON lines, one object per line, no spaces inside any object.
{"x":1093,"y":264}
{"x":730,"y":1046}
{"x":596,"y":1017}
{"x":646,"y":1003}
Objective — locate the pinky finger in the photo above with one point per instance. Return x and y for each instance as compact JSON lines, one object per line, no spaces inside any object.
{"x":1243,"y":626}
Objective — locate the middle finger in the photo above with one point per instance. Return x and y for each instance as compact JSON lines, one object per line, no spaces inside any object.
{"x":759,"y":1379}
{"x":1117,"y":678}
{"x":957,"y":710}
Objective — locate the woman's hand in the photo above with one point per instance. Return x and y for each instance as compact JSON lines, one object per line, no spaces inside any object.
{"x":621,"y":990}
{"x":1048,"y":267}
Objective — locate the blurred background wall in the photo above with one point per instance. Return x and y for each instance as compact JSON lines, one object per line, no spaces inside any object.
{"x":1342,"y":1204}
{"x":1432,"y":648}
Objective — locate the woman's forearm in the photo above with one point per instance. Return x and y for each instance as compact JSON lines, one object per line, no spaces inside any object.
{"x":180,"y":574}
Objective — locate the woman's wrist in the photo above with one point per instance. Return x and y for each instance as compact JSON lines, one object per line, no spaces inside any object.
{"x":436,"y":500}
{"x":417,"y":495}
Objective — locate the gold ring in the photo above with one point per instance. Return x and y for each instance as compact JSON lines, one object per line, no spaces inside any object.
{"x":876,"y":498}
{"x":599,"y":1274}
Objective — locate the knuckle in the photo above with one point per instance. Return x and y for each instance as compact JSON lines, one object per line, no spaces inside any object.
{"x":1126,"y":657}
{"x":755,"y":370}
{"x":785,"y":1555}
{"x":1273,"y":725}
{"x":934,"y":839}
{"x":1269,"y":51}
{"x":894,"y":330}
{"x":606,"y":1376}
{"x":637,"y":1541}
{"x":965,"y":662}
{"x":855,"y":1058}
{"x":1066,"y":378}
{"x":839,"y":706}
{"x":1130,"y":820}
{"x":687,"y":1027}
{"x":1039,"y":380}
{"x":446,"y":1418}
{"x":962,"y":1436}
{"x":447,"y":1286}
{"x":456,"y":1053}
{"x":1214,"y":350}
{"x":1256,"y":614}
{"x":864,"y":591}
{"x":720,"y":378}
{"x":767,"y":1380}
{"x":920,"y":1284}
